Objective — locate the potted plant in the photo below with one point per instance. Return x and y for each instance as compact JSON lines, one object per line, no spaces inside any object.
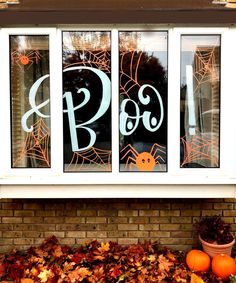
{"x":215,"y":235}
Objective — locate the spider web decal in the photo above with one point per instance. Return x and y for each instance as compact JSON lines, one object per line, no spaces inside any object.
{"x":94,"y":158}
{"x":99,"y":59}
{"x":91,"y":159}
{"x":199,"y":149}
{"x":205,"y":66}
{"x":36,"y":146}
{"x":132,"y":66}
{"x":128,"y":81}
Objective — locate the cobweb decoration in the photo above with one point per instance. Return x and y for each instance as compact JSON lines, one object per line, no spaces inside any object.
{"x":91,"y":160}
{"x":205,"y":67}
{"x":129,"y":80}
{"x":199,"y":149}
{"x":36,"y":146}
{"x":99,"y":59}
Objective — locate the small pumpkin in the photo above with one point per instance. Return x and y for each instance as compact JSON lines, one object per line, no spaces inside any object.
{"x":223,"y":266}
{"x":198,"y":260}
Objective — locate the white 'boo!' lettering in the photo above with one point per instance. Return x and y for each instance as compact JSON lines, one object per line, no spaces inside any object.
{"x":128,"y":124}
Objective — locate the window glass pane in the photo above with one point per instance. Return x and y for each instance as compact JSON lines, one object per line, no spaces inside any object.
{"x":143,"y":101}
{"x":86,"y":101}
{"x":200,"y":101}
{"x":30,"y":110}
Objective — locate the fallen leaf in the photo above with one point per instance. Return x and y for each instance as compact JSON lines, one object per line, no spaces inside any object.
{"x":196,"y":279}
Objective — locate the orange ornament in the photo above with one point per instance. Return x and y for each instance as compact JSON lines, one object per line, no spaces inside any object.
{"x":223,"y":266}
{"x":198,"y":260}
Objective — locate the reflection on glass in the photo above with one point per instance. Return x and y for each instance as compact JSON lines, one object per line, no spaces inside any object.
{"x":143,"y":101}
{"x":200,"y":101}
{"x":86,"y":101}
{"x":30,"y":111}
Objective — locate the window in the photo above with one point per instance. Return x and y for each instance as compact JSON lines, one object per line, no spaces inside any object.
{"x":30,"y":96}
{"x":117,"y":106}
{"x":200,"y":101}
{"x":86,"y":101}
{"x":143,"y":101}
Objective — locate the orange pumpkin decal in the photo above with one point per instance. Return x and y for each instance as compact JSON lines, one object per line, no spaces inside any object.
{"x":223,"y":266}
{"x":198,"y":260}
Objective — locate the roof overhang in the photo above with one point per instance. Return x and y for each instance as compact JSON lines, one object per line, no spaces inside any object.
{"x":54,"y":12}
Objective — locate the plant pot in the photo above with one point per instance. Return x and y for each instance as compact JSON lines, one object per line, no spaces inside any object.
{"x":214,"y":249}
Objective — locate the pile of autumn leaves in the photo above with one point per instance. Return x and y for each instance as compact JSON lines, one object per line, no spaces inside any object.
{"x":98,"y":263}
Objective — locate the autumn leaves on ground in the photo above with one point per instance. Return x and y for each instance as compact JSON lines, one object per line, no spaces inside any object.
{"x":99,"y":263}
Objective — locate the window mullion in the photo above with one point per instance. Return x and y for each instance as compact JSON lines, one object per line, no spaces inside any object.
{"x":115,"y":100}
{"x":228,"y":102}
{"x":5,"y":143}
{"x":56,"y":102}
{"x":173,"y":102}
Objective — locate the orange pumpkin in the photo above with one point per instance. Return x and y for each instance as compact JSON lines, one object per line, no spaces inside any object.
{"x":223,"y":266}
{"x":198,"y":260}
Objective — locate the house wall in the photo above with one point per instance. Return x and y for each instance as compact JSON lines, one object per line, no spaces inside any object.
{"x":27,"y":222}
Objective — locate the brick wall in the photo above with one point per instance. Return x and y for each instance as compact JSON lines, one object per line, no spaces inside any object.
{"x":170,"y":222}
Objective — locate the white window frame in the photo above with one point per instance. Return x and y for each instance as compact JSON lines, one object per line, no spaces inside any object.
{"x":226,"y":174}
